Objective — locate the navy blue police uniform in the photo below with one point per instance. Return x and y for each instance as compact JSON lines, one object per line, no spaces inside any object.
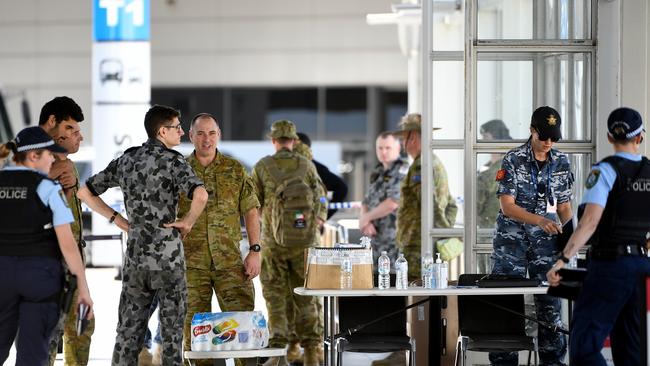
{"x":30,"y":262}
{"x":611,"y":298}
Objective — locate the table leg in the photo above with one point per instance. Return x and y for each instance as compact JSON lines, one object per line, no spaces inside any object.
{"x":326,"y":329}
{"x":333,"y":312}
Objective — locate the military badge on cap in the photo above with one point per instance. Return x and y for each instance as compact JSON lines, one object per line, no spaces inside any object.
{"x":551,"y":120}
{"x":592,"y":179}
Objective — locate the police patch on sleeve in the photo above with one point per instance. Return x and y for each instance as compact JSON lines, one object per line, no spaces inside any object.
{"x":592,"y":179}
{"x":63,"y":198}
{"x":501,"y":174}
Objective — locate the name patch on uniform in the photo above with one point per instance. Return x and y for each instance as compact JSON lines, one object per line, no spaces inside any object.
{"x":592,"y":179}
{"x":13,"y":193}
{"x":501,"y":174}
{"x":416,"y":179}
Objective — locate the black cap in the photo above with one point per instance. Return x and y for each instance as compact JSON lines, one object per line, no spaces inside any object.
{"x":35,"y":138}
{"x":497,"y":129}
{"x":624,"y":123}
{"x":547,"y":122}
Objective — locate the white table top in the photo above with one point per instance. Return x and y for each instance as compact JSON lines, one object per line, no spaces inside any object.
{"x":419,"y":291}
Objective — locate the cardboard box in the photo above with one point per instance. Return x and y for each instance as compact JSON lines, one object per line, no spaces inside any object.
{"x":324,"y":272}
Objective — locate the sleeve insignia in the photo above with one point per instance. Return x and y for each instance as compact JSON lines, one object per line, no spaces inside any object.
{"x":501,"y":174}
{"x":592,"y":179}
{"x":416,"y":178}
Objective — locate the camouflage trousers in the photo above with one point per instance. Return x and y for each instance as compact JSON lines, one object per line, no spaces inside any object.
{"x":234,"y":293}
{"x":138,"y":290}
{"x":75,"y":348}
{"x":282,"y":269}
{"x":515,"y":253}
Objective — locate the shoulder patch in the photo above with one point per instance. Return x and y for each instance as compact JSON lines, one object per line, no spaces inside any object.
{"x":63,"y":198}
{"x":501,"y":174}
{"x":592,"y":179}
{"x":416,"y":178}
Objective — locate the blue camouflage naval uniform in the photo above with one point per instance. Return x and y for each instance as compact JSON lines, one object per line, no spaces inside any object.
{"x":610,"y":301}
{"x":385,"y":184}
{"x":521,"y":248}
{"x":151,"y":178}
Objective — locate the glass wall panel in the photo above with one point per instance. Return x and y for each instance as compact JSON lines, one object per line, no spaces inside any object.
{"x":483,"y":262}
{"x":448,"y":25}
{"x":345,"y":114}
{"x":534,"y":19}
{"x":455,"y":179}
{"x":510,"y":86}
{"x":297,"y":105}
{"x":487,"y":203}
{"x":448,"y":99}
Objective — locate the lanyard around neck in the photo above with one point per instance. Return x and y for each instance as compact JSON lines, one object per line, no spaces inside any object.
{"x":534,"y":173}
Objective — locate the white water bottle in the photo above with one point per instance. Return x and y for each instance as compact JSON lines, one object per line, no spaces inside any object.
{"x":402,"y":270}
{"x":441,"y":269}
{"x":383,"y":266}
{"x":428,"y":279}
{"x":346,"y":271}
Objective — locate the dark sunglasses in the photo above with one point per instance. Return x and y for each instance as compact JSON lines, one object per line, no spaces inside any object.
{"x":544,"y":138}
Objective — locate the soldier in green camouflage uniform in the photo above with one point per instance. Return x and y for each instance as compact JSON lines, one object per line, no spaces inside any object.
{"x":151,"y":177}
{"x":487,"y":203}
{"x":212,"y":254}
{"x":60,"y":118}
{"x":283,"y":266}
{"x":409,"y":211}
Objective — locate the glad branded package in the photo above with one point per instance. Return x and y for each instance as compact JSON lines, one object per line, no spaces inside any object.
{"x":226,"y":331}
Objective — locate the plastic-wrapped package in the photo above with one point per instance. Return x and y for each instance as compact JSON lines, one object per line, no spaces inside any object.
{"x":236,"y":330}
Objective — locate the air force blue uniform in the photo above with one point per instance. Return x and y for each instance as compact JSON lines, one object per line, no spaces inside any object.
{"x":30,"y":264}
{"x":520,"y":248}
{"x":610,"y":301}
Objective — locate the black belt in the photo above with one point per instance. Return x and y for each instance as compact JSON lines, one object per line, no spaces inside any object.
{"x":633,"y":250}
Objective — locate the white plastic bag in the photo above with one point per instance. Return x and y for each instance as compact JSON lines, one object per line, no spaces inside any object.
{"x":236,"y":330}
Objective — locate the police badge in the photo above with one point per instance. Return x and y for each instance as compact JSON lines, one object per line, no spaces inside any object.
{"x":592,"y":179}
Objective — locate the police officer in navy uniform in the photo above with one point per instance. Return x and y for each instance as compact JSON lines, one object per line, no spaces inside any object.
{"x":34,"y":234}
{"x":534,"y":191}
{"x":617,"y":213}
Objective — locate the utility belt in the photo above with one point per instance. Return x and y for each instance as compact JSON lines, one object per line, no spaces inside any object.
{"x":613,"y":252}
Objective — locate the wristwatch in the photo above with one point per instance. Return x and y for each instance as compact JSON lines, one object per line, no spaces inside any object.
{"x":255,"y":248}
{"x":563,"y":258}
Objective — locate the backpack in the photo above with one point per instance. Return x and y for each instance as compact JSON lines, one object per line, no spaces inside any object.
{"x":292,"y":216}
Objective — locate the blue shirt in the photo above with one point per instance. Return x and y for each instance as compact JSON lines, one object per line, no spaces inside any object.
{"x":604,"y":176}
{"x":51,"y":194}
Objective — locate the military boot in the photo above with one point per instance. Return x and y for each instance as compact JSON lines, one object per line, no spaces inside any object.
{"x":310,"y":357}
{"x":293,"y":352}
{"x":276,"y":361}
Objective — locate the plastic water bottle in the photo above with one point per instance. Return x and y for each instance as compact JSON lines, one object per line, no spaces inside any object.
{"x":402,"y":270}
{"x":441,"y":270}
{"x":346,"y":271}
{"x":428,"y":279}
{"x":383,"y":266}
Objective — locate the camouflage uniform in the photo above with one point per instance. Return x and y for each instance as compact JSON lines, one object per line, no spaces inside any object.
{"x":521,"y":248}
{"x":283,"y":267}
{"x":410,"y":207}
{"x":75,"y":348}
{"x":487,"y":203}
{"x":212,"y":254}
{"x":151,"y":178}
{"x":385,"y":184}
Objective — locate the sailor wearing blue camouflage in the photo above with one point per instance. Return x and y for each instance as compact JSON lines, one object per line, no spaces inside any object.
{"x":151,"y":177}
{"x":534,"y":191}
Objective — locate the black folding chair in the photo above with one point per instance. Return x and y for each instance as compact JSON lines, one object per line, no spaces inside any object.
{"x":388,"y":335}
{"x":484,"y":327}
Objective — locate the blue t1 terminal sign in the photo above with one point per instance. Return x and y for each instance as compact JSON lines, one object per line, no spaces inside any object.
{"x":121,"y":20}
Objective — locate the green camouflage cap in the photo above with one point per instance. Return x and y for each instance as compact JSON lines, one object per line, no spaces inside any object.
{"x":410,"y":122}
{"x":283,"y":128}
{"x":302,"y":149}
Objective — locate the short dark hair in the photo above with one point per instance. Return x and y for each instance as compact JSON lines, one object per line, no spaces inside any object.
{"x":62,"y":108}
{"x":304,"y":138}
{"x":204,"y":115}
{"x":386,"y":134}
{"x":157,"y":116}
